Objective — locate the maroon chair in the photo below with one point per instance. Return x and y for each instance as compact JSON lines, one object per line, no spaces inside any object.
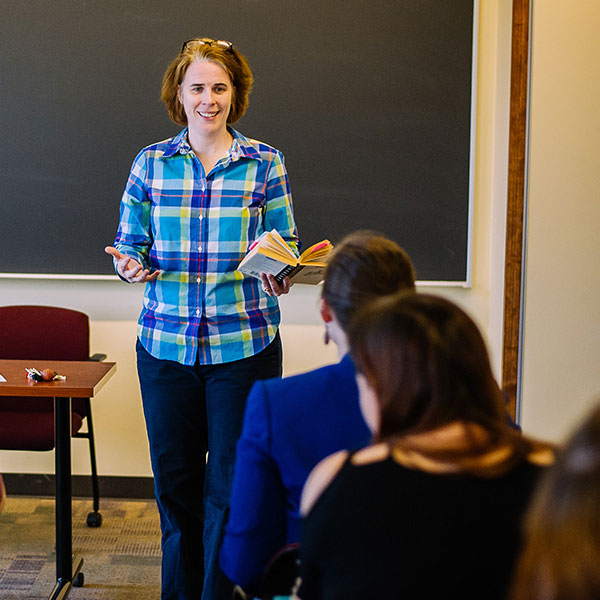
{"x":45,"y":333}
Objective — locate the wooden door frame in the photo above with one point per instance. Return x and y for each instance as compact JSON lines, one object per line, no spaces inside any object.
{"x":515,"y":211}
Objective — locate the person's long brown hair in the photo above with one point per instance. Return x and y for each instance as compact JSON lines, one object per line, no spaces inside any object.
{"x":428,"y":365}
{"x":561,"y":555}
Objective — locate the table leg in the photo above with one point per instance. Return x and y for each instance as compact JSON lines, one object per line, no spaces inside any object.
{"x":66,"y":567}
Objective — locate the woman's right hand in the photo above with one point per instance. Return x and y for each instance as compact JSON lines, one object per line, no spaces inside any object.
{"x":130,"y":270}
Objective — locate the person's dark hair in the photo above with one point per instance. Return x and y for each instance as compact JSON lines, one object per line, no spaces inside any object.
{"x":222,"y":53}
{"x":561,"y":554}
{"x":364,"y":265}
{"x":428,"y":364}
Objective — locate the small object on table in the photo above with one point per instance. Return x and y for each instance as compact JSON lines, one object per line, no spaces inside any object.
{"x":45,"y":375}
{"x":48,"y":374}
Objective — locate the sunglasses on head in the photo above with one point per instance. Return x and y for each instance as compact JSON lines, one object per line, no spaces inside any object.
{"x":223,"y":43}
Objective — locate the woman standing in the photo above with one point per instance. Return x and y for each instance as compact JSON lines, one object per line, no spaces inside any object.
{"x":192,"y":206}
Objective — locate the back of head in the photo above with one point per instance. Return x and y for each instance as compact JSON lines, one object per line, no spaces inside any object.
{"x":427,"y":363}
{"x":363,"y":266}
{"x":561,"y":558}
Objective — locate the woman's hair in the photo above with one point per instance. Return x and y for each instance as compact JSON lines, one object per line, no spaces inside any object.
{"x":219,"y":52}
{"x":428,"y":364}
{"x":363,"y":266}
{"x":561,"y":555}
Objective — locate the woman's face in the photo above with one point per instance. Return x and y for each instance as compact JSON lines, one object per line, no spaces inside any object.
{"x":369,"y":406}
{"x":206,"y":93}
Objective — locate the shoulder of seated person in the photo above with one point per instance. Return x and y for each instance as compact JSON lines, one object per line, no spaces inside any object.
{"x":326,"y":470}
{"x":318,"y":480}
{"x":371,"y":454}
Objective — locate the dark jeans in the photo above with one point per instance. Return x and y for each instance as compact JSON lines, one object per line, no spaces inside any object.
{"x":189,"y":411}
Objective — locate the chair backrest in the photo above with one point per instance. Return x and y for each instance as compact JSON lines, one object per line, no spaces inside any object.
{"x":281,"y":574}
{"x":43,"y":333}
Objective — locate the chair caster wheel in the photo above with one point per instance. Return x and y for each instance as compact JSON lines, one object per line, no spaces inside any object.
{"x":94,"y":519}
{"x":79,"y":579}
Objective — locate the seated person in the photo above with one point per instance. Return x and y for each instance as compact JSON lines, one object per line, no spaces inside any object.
{"x":292,"y":423}
{"x":561,"y":555}
{"x":432,"y":508}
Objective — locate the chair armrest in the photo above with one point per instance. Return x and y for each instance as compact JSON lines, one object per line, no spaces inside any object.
{"x":97,"y":357}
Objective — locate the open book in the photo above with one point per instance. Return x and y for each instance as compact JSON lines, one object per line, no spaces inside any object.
{"x":270,"y":254}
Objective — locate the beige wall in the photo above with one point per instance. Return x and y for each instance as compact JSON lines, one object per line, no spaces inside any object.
{"x":113,"y":306}
{"x":561,"y":369}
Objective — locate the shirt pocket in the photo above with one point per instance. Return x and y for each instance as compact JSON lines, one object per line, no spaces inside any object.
{"x":174,"y":213}
{"x":237,"y":221}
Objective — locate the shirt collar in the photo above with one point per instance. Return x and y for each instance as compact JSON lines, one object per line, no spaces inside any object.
{"x":347,"y":360}
{"x":177,"y":144}
{"x":241,"y":147}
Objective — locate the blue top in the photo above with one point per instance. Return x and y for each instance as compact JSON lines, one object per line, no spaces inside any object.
{"x":290,"y":425}
{"x":196,"y":227}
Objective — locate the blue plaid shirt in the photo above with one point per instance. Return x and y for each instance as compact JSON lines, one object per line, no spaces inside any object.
{"x":195,"y":228}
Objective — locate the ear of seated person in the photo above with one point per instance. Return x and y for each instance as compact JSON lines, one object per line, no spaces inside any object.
{"x":433,"y":508}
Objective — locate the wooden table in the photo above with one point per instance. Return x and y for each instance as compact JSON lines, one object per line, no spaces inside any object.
{"x":83,"y":380}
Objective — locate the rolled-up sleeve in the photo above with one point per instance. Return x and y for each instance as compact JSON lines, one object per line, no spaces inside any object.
{"x":134,"y":236}
{"x":279,"y":212}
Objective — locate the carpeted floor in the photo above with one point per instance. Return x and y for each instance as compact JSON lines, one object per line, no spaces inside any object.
{"x":121,"y":558}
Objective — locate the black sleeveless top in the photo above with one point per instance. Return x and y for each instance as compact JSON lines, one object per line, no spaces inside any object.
{"x":382,"y":530}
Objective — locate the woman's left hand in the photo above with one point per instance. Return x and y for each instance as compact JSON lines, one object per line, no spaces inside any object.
{"x":272,"y":288}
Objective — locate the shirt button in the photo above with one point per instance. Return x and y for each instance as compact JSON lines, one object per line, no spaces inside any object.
{"x":197,"y":312}
{"x":199,"y":280}
{"x":199,"y":248}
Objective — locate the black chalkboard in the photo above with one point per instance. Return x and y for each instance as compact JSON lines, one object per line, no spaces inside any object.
{"x":370,"y":101}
